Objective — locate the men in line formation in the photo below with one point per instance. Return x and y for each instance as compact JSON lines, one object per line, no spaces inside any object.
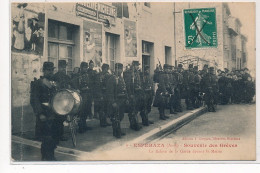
{"x":130,"y":91}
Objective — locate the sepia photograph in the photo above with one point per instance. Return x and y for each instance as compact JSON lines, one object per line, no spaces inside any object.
{"x":132,"y":81}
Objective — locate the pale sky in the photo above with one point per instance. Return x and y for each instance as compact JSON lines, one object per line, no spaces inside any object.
{"x":245,"y":12}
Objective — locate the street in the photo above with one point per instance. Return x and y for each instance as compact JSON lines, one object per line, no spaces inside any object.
{"x":228,"y":134}
{"x":229,"y":120}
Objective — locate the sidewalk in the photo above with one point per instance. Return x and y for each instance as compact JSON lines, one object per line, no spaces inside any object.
{"x":99,"y":138}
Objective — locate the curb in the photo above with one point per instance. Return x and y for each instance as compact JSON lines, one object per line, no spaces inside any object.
{"x":172,"y":125}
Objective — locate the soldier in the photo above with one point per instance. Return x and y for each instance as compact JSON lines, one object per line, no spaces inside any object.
{"x":86,"y":94}
{"x":178,"y":89}
{"x":210,"y":89}
{"x":171,"y":89}
{"x":196,"y":92}
{"x":136,"y":96}
{"x":63,"y":82}
{"x":42,"y":93}
{"x":148,"y":93}
{"x":92,"y":74}
{"x":188,"y":81}
{"x":61,"y":78}
{"x":116,"y":95}
{"x":100,"y":91}
{"x":162,"y":93}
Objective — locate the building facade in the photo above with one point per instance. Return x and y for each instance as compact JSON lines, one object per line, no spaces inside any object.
{"x":152,"y":33}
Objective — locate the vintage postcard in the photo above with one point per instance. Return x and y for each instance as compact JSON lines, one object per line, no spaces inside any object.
{"x":150,"y":81}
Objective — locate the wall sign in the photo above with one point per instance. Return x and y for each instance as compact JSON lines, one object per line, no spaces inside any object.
{"x":96,"y":11}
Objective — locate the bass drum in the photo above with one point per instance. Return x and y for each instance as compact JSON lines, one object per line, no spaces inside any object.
{"x":66,"y":102}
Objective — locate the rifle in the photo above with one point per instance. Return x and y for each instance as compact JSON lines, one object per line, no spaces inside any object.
{"x":160,"y":65}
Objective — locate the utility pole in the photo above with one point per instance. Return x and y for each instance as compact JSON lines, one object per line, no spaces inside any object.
{"x":174,"y":27}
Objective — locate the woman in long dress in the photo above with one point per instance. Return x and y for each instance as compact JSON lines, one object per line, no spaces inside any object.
{"x":19,"y":32}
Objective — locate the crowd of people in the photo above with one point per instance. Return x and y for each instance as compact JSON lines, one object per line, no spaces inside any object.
{"x":131,"y":91}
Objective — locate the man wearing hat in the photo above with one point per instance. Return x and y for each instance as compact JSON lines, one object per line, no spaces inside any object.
{"x":188,"y":81}
{"x":196,"y":92}
{"x":149,"y":93}
{"x":162,"y":92}
{"x":178,"y":89}
{"x":136,"y":96}
{"x":211,"y":89}
{"x":171,"y":90}
{"x":92,"y":78}
{"x":116,"y":95}
{"x":100,"y":98}
{"x":61,"y":77}
{"x":86,"y":94}
{"x":47,"y":127}
{"x":63,"y":82}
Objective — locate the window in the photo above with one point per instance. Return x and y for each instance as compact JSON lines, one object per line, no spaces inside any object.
{"x":147,"y":4}
{"x":112,"y":52}
{"x":60,"y":30}
{"x":61,"y":44}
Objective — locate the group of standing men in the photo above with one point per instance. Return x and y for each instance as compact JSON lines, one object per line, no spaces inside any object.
{"x":113,"y":94}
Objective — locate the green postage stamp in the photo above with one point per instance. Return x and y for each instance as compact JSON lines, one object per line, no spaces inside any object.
{"x":200,"y":28}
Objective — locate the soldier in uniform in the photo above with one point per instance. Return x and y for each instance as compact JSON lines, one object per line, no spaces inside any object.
{"x":100,"y":91}
{"x":172,"y":89}
{"x":211,"y":89}
{"x":117,"y":99}
{"x":162,"y":92}
{"x":61,"y":78}
{"x":178,"y":89}
{"x":86,"y":94}
{"x":196,"y":91}
{"x":148,"y":93}
{"x":189,"y":84}
{"x":92,"y":74}
{"x":136,"y":96}
{"x":63,"y":82}
{"x":41,"y":94}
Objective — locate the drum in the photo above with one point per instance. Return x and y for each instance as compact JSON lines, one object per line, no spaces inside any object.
{"x":66,"y":102}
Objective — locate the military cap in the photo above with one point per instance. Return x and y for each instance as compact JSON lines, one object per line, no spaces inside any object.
{"x":226,"y":70}
{"x":146,"y":67}
{"x":166,"y":66}
{"x":135,"y":63}
{"x":48,"y":66}
{"x":62,"y":63}
{"x":206,"y":66}
{"x":219,"y":70}
{"x":118,"y":66}
{"x":222,"y":72}
{"x":211,"y":69}
{"x":196,"y":67}
{"x":179,"y":65}
{"x":190,"y":65}
{"x":246,"y":68}
{"x":91,"y":62}
{"x":83,"y":64}
{"x":105,"y":66}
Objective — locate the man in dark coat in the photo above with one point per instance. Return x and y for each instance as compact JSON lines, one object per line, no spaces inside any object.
{"x":86,"y":94}
{"x":117,"y":99}
{"x":147,"y":84}
{"x":47,"y":121}
{"x":136,"y":96}
{"x":63,"y":82}
{"x":188,"y":81}
{"x":92,"y":74}
{"x":178,"y":89}
{"x":99,"y":95}
{"x":162,"y":92}
{"x":211,"y":89}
